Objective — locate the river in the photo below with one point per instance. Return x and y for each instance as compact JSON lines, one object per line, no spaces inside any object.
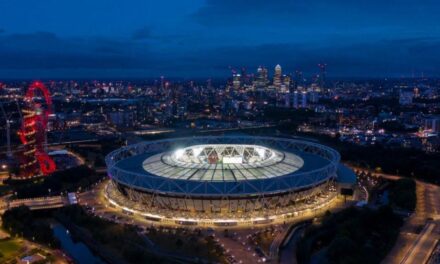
{"x":76,"y":250}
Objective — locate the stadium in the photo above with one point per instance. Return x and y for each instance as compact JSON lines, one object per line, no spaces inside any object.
{"x":226,"y":180}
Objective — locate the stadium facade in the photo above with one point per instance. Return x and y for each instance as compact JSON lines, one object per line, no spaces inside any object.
{"x":223,"y":180}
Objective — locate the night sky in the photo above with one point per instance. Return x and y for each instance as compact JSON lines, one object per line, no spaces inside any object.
{"x":204,"y":38}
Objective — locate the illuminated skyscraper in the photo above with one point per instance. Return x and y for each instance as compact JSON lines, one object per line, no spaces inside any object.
{"x":286,"y":80}
{"x":287,"y":100}
{"x":162,"y":82}
{"x":261,"y":79}
{"x":286,"y":84}
{"x":236,"y":81}
{"x":277,"y":76}
{"x":260,"y":73}
{"x":416,"y":92}
{"x":322,"y":75}
{"x":299,"y":78}
{"x":265,"y":76}
{"x":244,"y":77}
{"x":295,"y":99}
{"x":304,"y":99}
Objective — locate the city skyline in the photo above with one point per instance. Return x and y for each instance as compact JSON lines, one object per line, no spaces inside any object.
{"x":204,"y":39}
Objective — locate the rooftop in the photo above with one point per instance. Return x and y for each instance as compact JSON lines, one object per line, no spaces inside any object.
{"x":222,"y":162}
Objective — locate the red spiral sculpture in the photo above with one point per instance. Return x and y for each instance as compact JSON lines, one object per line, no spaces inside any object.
{"x":32,"y":133}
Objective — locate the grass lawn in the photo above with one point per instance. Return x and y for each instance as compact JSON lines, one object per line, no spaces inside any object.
{"x":9,"y":248}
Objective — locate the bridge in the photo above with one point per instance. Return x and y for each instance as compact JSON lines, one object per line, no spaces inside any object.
{"x":40,"y":203}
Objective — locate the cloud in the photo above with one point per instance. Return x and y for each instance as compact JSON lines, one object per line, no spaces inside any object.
{"x":340,"y":13}
{"x":45,"y":50}
{"x":47,"y":54}
{"x":382,"y":58}
{"x":227,"y":12}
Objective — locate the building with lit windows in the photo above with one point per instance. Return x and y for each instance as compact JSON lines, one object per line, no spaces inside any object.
{"x":236,"y":81}
{"x":286,"y":81}
{"x":277,"y":76}
{"x":304,"y":99}
{"x":261,"y":79}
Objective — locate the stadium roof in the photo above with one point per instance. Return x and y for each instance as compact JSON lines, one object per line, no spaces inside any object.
{"x":282,"y":165}
{"x":162,"y":165}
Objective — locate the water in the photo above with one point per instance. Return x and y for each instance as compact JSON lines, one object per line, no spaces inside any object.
{"x":78,"y":251}
{"x":385,"y":198}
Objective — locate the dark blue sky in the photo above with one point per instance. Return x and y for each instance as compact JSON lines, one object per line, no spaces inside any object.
{"x":202,"y":38}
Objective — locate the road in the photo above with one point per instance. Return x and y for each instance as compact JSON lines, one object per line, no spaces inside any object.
{"x":276,"y":243}
{"x":416,"y":248}
{"x":424,"y":243}
{"x":288,"y":253}
{"x":412,"y":246}
{"x":237,"y":245}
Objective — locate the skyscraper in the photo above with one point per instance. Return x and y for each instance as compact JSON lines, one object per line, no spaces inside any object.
{"x":304,"y":99}
{"x":259,"y":74}
{"x":285,"y":87}
{"x":299,"y":78}
{"x":265,"y":76}
{"x":322,"y":75}
{"x":295,"y":99}
{"x":162,"y":82}
{"x":236,"y":82}
{"x":244,"y":76}
{"x":277,"y":76}
{"x":287,"y":100}
{"x":286,"y":80}
{"x":261,"y":79}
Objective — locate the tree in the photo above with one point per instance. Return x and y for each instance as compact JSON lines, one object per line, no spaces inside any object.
{"x":22,"y":221}
{"x":179,"y":243}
